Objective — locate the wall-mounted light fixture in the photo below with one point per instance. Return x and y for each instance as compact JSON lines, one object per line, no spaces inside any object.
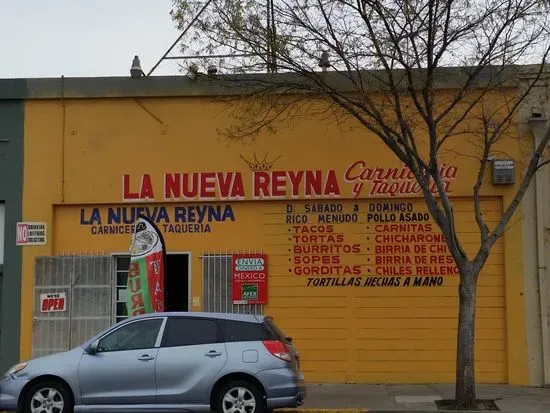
{"x":537,"y":114}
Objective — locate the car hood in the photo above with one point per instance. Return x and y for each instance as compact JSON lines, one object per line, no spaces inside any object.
{"x":58,"y":363}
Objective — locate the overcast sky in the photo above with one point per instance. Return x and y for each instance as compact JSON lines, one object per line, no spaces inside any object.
{"x":50,"y":38}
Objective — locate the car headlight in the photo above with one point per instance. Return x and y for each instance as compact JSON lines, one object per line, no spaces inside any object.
{"x":15,"y":369}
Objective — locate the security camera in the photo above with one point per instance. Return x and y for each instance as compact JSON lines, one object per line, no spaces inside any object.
{"x":135,"y":70}
{"x":193,"y":70}
{"x":537,"y":113}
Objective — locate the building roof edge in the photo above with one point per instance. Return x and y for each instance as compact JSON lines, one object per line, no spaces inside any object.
{"x":227,"y":85}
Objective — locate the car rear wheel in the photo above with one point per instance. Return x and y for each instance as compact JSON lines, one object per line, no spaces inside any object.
{"x":240,"y":397}
{"x":48,"y":397}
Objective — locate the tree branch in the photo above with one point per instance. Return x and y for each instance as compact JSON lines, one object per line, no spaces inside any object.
{"x":511,"y":209}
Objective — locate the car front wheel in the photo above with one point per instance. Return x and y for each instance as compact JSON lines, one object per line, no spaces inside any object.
{"x":48,"y":397}
{"x":240,"y":397}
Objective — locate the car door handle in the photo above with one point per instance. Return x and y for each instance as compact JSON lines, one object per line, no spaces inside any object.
{"x":213,"y":353}
{"x":146,"y":357}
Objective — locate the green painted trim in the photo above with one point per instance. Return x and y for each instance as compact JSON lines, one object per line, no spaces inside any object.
{"x":13,"y":89}
{"x":231,"y":85}
{"x":12,"y":116}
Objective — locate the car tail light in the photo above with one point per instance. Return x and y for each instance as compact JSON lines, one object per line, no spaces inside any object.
{"x":278,"y":349}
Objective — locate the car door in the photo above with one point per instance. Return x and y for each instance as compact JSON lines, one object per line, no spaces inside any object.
{"x":190,"y":357}
{"x":122,"y":370}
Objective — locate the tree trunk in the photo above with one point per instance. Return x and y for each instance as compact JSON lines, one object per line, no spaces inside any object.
{"x":465,"y":393}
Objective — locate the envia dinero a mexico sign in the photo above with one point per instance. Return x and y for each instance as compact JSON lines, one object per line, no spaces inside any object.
{"x":249,"y":278}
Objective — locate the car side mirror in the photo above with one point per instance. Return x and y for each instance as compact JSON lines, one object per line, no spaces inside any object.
{"x":92,"y":348}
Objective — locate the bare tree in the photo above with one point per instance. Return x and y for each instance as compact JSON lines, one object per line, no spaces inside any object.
{"x":385,"y":60}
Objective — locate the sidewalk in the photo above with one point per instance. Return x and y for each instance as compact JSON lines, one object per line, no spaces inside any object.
{"x":420,"y":398}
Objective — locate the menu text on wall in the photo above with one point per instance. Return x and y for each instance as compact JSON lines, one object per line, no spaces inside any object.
{"x":364,"y":244}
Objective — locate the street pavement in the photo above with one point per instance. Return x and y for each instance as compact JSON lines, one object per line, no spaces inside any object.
{"x":419,"y":398}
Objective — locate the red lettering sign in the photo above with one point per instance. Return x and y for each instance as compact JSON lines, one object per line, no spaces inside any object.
{"x":134,"y":269}
{"x":392,"y":182}
{"x":54,"y":302}
{"x":138,"y":306}
{"x":285,"y":184}
{"x":145,"y":190}
{"x":203,"y":185}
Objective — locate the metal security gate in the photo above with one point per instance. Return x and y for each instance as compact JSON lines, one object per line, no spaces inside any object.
{"x":217,"y":283}
{"x":87,"y":283}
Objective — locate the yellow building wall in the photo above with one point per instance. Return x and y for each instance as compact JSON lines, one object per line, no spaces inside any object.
{"x":82,"y":155}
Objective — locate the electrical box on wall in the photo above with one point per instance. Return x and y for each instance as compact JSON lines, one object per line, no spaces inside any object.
{"x":504,"y":172}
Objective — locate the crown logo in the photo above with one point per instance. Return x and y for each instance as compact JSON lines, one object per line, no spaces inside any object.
{"x":257,"y":165}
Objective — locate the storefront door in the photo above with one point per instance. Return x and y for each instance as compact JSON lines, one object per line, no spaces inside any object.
{"x":72,"y":301}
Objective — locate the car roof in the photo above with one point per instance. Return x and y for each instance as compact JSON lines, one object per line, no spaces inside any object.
{"x":251,"y":318}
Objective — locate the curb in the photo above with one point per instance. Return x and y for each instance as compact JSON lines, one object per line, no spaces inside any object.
{"x":336,"y":410}
{"x":432,"y":411}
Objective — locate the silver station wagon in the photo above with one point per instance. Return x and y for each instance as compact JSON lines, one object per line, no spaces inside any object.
{"x":161,"y":362}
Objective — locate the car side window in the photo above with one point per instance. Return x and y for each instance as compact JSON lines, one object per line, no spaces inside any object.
{"x":233,"y":331}
{"x":134,"y":336}
{"x":186,"y":331}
